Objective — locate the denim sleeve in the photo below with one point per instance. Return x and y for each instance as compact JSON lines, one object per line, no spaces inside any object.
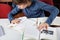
{"x":13,"y":5}
{"x":51,"y":9}
{"x":13,"y":12}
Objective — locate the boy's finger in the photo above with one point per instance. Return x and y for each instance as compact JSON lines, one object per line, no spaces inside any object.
{"x":12,"y":22}
{"x":40,"y":27}
{"x":47,"y":27}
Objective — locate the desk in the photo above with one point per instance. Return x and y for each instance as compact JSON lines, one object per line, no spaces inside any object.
{"x":14,"y":35}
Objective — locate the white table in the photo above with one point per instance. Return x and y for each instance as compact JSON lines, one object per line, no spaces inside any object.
{"x":14,"y":35}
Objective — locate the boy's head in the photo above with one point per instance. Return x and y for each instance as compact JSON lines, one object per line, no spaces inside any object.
{"x":22,"y":3}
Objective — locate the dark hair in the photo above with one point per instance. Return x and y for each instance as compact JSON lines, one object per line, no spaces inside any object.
{"x":21,"y":1}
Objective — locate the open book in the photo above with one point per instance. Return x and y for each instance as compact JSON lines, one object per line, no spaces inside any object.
{"x":29,"y":30}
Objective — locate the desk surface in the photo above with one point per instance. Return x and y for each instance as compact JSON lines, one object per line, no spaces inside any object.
{"x":11,"y":34}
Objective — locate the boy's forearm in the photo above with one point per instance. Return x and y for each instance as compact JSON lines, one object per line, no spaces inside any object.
{"x":13,"y":12}
{"x":10,"y":17}
{"x":52,"y":16}
{"x":51,"y":9}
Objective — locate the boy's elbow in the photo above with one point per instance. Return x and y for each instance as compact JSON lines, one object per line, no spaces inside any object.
{"x":56,"y":11}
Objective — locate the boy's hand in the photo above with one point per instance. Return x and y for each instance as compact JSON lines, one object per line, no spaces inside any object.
{"x":43,"y":25}
{"x":15,"y":21}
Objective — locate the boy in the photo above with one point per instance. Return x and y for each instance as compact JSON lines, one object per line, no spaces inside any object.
{"x":33,"y":9}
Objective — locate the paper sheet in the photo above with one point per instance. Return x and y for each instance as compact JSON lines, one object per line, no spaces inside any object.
{"x":29,"y":28}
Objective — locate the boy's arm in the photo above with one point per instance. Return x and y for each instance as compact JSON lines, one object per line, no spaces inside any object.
{"x":13,"y":5}
{"x":51,"y":9}
{"x":13,"y":12}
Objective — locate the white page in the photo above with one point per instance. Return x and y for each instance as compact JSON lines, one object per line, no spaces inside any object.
{"x":28,"y":27}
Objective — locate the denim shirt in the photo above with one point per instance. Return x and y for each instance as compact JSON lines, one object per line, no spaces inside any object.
{"x":35,"y":10}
